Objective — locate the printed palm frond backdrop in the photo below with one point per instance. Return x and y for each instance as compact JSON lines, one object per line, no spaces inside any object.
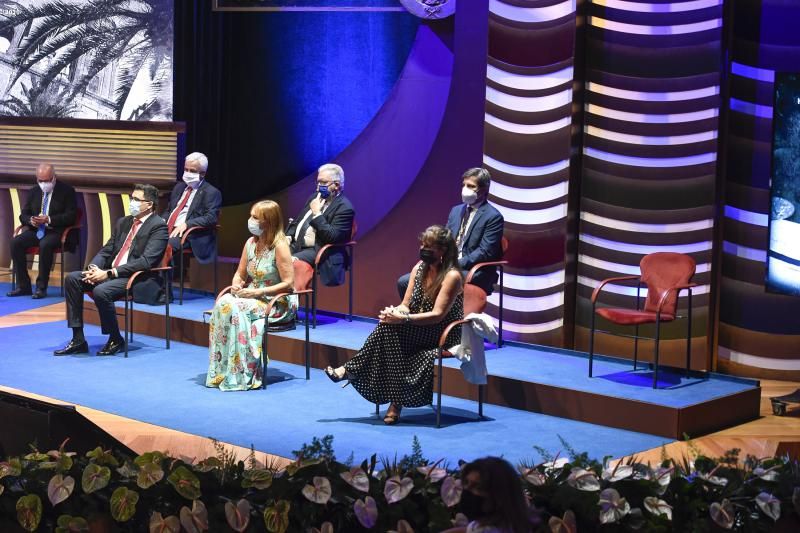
{"x":87,"y":58}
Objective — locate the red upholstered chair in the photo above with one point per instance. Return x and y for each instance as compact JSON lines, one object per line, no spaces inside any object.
{"x":33,"y":250}
{"x":665,"y":274}
{"x":186,"y":251}
{"x":166,"y":270}
{"x":302,"y":284}
{"x":313,"y":273}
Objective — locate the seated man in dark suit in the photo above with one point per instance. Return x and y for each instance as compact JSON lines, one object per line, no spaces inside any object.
{"x":194,"y":202}
{"x":48,"y":209}
{"x":137,"y":243}
{"x":327,"y":218}
{"x":478,"y":228}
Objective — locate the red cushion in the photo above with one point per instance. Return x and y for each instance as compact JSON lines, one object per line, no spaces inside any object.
{"x":662,"y":270}
{"x":474,"y":299}
{"x":303,"y":273}
{"x":631,"y":316}
{"x":33,"y":250}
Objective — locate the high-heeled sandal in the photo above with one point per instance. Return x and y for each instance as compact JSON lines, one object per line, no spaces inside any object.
{"x":392,"y":418}
{"x":331,"y":373}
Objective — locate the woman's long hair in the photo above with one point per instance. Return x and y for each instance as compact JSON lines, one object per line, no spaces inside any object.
{"x":503,"y":488}
{"x":441,"y":238}
{"x":268,"y":214}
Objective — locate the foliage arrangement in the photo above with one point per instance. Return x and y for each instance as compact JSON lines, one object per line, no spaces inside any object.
{"x":106,"y":491}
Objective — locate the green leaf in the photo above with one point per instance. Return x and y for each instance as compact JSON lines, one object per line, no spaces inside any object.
{"x":60,"y":488}
{"x":123,"y":504}
{"x":185,"y":483}
{"x":101,"y":457}
{"x":149,"y":475}
{"x":36,"y":456}
{"x":71,"y":524}
{"x":12,"y":467}
{"x":149,"y":457}
{"x":95,"y":477}
{"x":276,"y":517}
{"x":260,"y":479}
{"x":207,"y":465}
{"x":29,"y":512}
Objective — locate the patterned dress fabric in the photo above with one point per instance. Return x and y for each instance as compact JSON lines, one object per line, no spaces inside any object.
{"x":396,"y":362}
{"x":237,"y":327}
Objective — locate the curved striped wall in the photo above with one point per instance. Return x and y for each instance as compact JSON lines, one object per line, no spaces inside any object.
{"x":652,"y":83}
{"x":759,"y":332}
{"x":527,"y":146}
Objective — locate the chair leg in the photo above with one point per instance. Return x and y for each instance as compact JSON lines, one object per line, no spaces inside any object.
{"x":314,"y":301}
{"x":689,"y":338}
{"x":636,"y":347}
{"x":655,"y":370}
{"x":131,"y":322}
{"x":439,"y":393}
{"x":62,"y":271}
{"x":500,"y":312}
{"x":180,"y":262}
{"x":167,"y":283}
{"x":350,"y":289}
{"x":591,"y":345}
{"x":307,"y":346}
{"x":127,"y":331}
{"x":216,"y":268}
{"x":264,"y":356}
{"x":480,"y":402}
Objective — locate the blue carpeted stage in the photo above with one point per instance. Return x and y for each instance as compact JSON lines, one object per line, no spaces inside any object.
{"x":526,"y":385}
{"x":26,"y":303}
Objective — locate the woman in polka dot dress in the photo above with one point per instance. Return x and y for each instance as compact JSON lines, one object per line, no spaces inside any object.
{"x":395,"y":365}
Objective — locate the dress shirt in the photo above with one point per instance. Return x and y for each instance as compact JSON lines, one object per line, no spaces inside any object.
{"x":473,"y":209}
{"x":310,"y":237}
{"x":124,"y":258}
{"x":185,"y":211}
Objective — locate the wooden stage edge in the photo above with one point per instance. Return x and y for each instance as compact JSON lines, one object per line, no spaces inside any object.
{"x":671,"y":422}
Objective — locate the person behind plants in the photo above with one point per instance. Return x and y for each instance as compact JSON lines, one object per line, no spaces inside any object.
{"x":237,"y":322}
{"x":492,"y":498}
{"x":395,"y":365}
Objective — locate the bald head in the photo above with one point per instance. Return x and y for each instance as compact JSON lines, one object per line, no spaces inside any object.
{"x":45,"y":172}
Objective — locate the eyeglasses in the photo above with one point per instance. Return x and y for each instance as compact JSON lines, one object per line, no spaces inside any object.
{"x":139,"y":199}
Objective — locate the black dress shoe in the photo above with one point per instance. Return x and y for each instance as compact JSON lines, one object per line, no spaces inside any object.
{"x":39,"y":294}
{"x":19,"y":291}
{"x":73,"y":347}
{"x":112,"y":347}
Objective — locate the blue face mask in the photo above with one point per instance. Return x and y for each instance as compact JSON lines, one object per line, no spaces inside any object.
{"x":323,"y":191}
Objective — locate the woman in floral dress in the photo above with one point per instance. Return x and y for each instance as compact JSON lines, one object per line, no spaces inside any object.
{"x":236,"y":361}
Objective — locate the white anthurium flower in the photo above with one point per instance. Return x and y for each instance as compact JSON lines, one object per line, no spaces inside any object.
{"x":616,"y":473}
{"x":533,"y":476}
{"x":356,"y":478}
{"x":664,"y":476}
{"x":770,"y":505}
{"x":714,"y":480}
{"x":320,"y":492}
{"x":722,"y":514}
{"x":612,"y":506}
{"x":555,"y":465}
{"x":397,"y":489}
{"x":451,"y":491}
{"x":567,"y":524}
{"x":641,"y":471}
{"x":582,"y":479}
{"x":767,"y":474}
{"x":434,"y":473}
{"x":658,"y":507}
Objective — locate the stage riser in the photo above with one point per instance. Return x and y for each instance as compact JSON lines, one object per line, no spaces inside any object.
{"x":670,"y":422}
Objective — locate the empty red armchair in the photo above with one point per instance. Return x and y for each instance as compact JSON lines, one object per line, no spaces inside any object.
{"x":665,"y":275}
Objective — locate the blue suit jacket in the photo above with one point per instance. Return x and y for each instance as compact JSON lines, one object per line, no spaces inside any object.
{"x":203,"y":211}
{"x":482,"y":242}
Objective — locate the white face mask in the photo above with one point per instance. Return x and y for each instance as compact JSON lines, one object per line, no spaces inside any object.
{"x":191,"y":178}
{"x":468,"y":196}
{"x":254,"y":227}
{"x":135,"y":207}
{"x":47,"y":186}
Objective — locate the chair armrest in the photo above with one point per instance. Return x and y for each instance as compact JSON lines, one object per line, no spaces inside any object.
{"x":666,"y":294}
{"x":186,"y":233}
{"x":603,"y":283}
{"x":481,"y":265}
{"x":223,"y":292}
{"x":137,"y":274}
{"x":448,"y":329}
{"x":327,"y":247}
{"x":18,"y":230}
{"x":66,"y":232}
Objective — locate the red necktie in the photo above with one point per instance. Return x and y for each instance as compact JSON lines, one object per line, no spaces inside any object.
{"x":174,"y":216}
{"x":127,"y":244}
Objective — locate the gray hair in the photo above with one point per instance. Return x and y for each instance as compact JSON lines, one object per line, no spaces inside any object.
{"x":201,"y":159}
{"x":336,"y":172}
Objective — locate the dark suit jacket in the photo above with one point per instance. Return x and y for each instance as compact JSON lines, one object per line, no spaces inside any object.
{"x":333,"y":227}
{"x":203,"y":211}
{"x":62,"y":211}
{"x":482,"y":242}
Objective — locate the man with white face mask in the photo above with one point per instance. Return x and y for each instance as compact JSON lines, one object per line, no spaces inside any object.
{"x":478,"y":229}
{"x":137,"y":243}
{"x":194,"y":202}
{"x":50,"y":207}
